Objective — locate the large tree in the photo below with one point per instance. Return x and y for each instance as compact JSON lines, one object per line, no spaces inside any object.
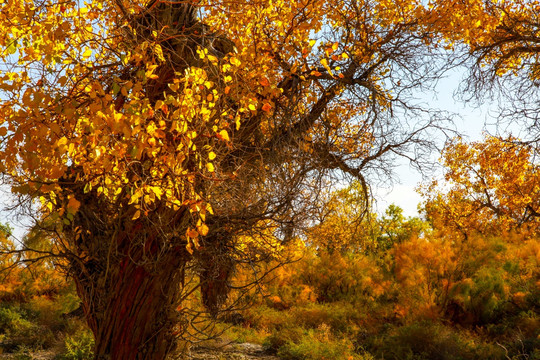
{"x":156,"y":139}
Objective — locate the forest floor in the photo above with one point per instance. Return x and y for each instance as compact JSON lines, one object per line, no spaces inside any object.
{"x":224,"y":351}
{"x":38,"y":355}
{"x":233,"y":351}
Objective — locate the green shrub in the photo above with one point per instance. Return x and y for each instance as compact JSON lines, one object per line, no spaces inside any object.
{"x":319,"y":344}
{"x":46,"y":312}
{"x":10,"y":319}
{"x":426,"y":340}
{"x":23,"y":353}
{"x":240,"y":334}
{"x":523,"y":348}
{"x":339,"y":316}
{"x":266,"y":318}
{"x":280,"y":338}
{"x":78,"y":347}
{"x":19,"y":332}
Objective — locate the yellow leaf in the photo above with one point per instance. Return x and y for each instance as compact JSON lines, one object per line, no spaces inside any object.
{"x":324,"y":62}
{"x":211,"y":155}
{"x":203,"y":229}
{"x":224,"y":135}
{"x":159,"y":52}
{"x":234,"y":61}
{"x":210,"y":167}
{"x":62,"y":142}
{"x":157,"y":191}
{"x":136,"y":215}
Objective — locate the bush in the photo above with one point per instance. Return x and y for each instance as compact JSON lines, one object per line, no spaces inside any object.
{"x":78,"y":347}
{"x":22,"y":353}
{"x":339,"y":316}
{"x":319,"y":344}
{"x":46,"y":312}
{"x":267,"y":318}
{"x":432,"y":341}
{"x":280,"y":338}
{"x":20,"y":332}
{"x":241,"y":334}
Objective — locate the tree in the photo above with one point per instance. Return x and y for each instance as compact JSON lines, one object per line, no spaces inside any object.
{"x":156,"y":137}
{"x":6,"y":259}
{"x":485,"y":220}
{"x":490,"y":187}
{"x":342,"y":224}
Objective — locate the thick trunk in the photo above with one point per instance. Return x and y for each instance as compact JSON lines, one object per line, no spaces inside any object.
{"x":130,"y":303}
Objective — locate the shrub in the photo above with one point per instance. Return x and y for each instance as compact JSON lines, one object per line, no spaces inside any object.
{"x":339,"y":316}
{"x":22,"y":353}
{"x":425,"y":340}
{"x":46,"y":312}
{"x":319,"y":344}
{"x":266,"y":318}
{"x":241,"y":334}
{"x":280,"y":338}
{"x":8,"y":317}
{"x":78,"y":347}
{"x":19,"y":332}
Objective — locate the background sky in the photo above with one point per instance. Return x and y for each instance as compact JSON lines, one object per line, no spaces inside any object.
{"x":471,"y":121}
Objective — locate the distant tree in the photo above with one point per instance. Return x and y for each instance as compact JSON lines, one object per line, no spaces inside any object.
{"x":395,"y":228}
{"x":7,"y":258}
{"x":490,"y":187}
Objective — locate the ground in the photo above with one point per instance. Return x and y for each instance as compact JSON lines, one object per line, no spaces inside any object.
{"x":223,"y":351}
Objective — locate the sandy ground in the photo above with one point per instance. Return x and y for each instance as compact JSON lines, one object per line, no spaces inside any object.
{"x":245,"y":351}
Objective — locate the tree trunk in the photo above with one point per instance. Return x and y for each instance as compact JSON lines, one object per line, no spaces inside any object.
{"x":130,"y":299}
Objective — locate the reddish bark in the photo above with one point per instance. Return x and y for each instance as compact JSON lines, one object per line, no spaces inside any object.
{"x":130,"y":300}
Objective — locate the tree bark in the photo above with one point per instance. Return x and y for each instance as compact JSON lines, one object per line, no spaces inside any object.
{"x":136,"y":317}
{"x":130,"y":286}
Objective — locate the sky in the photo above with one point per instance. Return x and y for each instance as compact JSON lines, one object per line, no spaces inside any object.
{"x":471,"y":122}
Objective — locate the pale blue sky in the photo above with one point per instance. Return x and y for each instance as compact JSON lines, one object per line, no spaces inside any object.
{"x":471,"y":123}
